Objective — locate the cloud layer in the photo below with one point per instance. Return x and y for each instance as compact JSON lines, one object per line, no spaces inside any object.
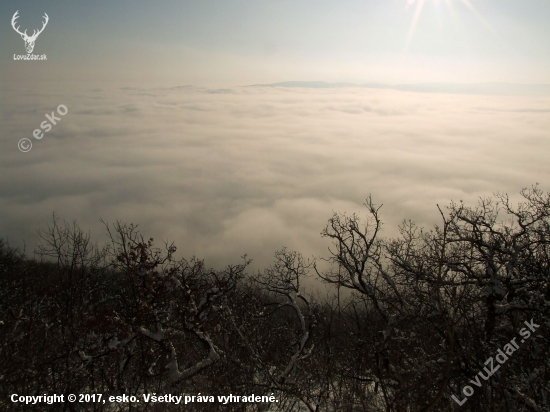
{"x":225,"y":172}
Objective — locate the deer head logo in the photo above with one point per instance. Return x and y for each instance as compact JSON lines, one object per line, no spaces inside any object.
{"x":29,"y":40}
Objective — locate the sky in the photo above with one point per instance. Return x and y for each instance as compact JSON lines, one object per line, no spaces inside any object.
{"x":228,"y":42}
{"x":163,"y":129}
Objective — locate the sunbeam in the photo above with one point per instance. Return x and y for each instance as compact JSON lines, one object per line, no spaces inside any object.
{"x":477,"y":14}
{"x":417,"y":13}
{"x":449,"y":3}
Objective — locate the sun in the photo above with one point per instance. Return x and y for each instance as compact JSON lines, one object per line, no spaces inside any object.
{"x":418,"y":12}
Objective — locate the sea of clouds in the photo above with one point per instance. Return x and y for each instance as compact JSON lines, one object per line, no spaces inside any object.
{"x":224,"y":172}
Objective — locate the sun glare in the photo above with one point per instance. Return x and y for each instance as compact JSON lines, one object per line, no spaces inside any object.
{"x":418,"y":11}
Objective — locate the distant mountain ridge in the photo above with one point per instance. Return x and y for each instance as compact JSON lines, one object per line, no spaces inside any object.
{"x":453,"y":88}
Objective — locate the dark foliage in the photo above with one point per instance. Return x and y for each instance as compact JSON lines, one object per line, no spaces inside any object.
{"x":408,"y":322}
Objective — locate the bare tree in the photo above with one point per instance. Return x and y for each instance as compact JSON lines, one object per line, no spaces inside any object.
{"x":407,"y":322}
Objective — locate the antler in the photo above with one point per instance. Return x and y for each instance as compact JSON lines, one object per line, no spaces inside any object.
{"x":15,"y":17}
{"x":34,"y":34}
